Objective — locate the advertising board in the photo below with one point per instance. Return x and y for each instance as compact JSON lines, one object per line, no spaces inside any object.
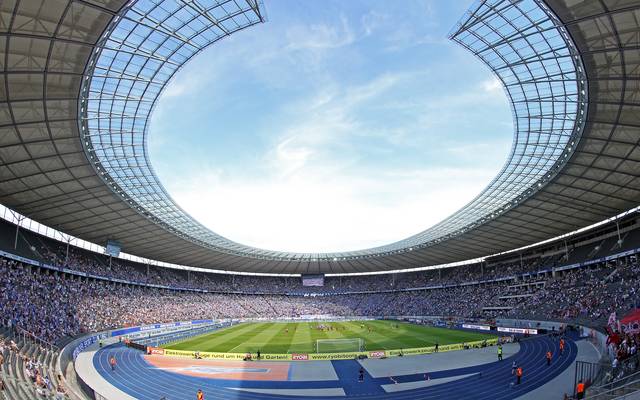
{"x":327,"y":356}
{"x":478,"y":327}
{"x":526,"y":331}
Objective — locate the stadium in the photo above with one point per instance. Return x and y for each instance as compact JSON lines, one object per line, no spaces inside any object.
{"x":111,"y":289}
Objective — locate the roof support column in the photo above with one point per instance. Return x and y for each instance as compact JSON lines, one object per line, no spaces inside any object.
{"x":68,"y":239}
{"x":18,"y":222}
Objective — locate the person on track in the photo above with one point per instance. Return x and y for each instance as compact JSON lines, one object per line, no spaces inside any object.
{"x":518,"y":375}
{"x":112,"y":362}
{"x":561,"y":346}
{"x":361,"y":375}
{"x":580,"y":390}
{"x":199,"y":395}
{"x":514,"y":366}
{"x":499,"y":352}
{"x":549,"y":356}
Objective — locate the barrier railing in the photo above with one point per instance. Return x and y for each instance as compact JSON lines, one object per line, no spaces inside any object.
{"x":25,"y":335}
{"x":624,"y":379}
{"x":622,"y":392}
{"x":587,"y":372}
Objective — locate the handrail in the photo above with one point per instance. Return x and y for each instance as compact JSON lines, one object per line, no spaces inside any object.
{"x":21,"y":332}
{"x":24,"y":334}
{"x":606,"y":387}
{"x":609,"y":394}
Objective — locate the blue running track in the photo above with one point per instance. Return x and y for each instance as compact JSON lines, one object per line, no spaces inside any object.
{"x":492,"y":381}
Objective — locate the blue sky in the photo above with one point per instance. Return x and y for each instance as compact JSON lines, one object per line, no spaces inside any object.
{"x":336,"y":125}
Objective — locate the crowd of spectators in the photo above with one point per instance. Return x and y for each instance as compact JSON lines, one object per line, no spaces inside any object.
{"x":53,"y":305}
{"x":100,"y":265}
{"x":623,"y":352}
{"x":585,"y":293}
{"x":35,"y":373}
{"x":44,"y":304}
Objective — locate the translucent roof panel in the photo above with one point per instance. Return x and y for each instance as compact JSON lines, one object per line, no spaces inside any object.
{"x":136,"y":57}
{"x":522,"y":42}
{"x":51,"y":173}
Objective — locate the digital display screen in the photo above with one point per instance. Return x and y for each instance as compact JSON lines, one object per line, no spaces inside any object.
{"x":113,"y":248}
{"x":313,"y":280}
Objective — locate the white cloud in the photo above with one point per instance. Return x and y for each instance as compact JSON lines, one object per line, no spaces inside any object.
{"x":343,"y":212}
{"x":374,"y":20}
{"x":325,"y":125}
{"x":310,"y":190}
{"x":492,"y":86}
{"x":179,"y":88}
{"x":320,"y":36}
{"x":310,"y":199}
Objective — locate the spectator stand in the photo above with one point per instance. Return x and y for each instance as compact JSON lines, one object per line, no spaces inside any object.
{"x":28,"y":367}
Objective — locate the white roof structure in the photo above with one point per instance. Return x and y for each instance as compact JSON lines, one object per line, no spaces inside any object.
{"x":80,"y":79}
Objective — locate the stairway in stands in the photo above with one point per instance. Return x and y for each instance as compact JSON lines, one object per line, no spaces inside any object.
{"x":18,"y":385}
{"x":514,"y":295}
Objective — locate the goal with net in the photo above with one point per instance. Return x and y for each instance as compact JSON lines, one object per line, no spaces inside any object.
{"x":339,"y":345}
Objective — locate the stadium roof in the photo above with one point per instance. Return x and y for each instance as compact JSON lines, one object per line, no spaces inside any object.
{"x":81,"y":77}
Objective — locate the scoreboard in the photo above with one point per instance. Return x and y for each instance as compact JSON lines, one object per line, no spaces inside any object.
{"x":312,"y":279}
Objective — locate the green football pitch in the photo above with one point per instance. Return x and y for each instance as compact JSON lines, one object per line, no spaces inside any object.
{"x":301,"y":337}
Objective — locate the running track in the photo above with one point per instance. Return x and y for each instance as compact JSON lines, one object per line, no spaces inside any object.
{"x":492,"y":381}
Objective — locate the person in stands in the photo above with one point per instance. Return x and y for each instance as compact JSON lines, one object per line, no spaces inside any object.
{"x":61,"y":393}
